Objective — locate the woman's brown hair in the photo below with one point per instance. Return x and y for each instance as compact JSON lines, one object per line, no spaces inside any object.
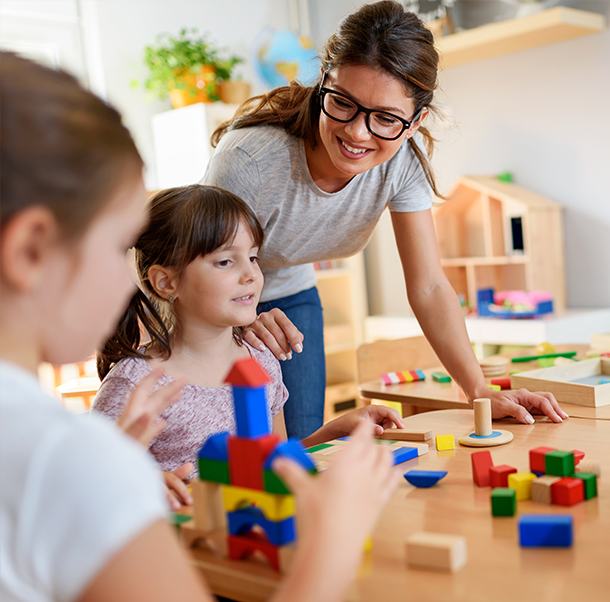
{"x":62,"y":146}
{"x":382,"y":36}
{"x":184,"y":223}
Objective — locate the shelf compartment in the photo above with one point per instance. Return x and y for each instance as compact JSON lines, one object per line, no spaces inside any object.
{"x":497,"y":39}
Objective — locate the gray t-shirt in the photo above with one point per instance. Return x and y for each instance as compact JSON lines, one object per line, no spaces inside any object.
{"x":268,"y":169}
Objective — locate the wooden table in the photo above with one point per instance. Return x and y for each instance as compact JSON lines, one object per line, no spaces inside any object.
{"x":497,"y":569}
{"x":430,"y":394}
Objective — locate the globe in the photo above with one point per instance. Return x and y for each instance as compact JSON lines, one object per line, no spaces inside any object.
{"x":280,"y":56}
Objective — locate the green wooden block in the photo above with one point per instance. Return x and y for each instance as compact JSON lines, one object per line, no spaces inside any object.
{"x":385,"y":441}
{"x":559,"y":463}
{"x":214,"y":470}
{"x":590,"y":483}
{"x":179,"y":519}
{"x":503,"y":501}
{"x":315,"y":448}
{"x":441,"y":377}
{"x":273,"y":484}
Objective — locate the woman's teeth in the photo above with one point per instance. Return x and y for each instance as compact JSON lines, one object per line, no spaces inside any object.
{"x":356,"y":151}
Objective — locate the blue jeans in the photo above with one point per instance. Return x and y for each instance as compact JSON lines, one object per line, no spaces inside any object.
{"x":305,"y":374}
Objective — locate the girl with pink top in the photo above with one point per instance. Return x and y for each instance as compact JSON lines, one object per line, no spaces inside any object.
{"x":198,"y":268}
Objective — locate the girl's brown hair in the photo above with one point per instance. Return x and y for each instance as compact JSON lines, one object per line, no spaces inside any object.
{"x":382,"y":36}
{"x":184,"y":223}
{"x":62,"y":146}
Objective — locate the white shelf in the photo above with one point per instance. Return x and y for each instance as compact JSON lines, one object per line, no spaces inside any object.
{"x":497,"y":39}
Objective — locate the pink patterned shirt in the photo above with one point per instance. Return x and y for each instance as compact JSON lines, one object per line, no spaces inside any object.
{"x":199,"y":413}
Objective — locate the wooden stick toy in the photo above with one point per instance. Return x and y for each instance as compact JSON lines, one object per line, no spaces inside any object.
{"x":484,"y":435}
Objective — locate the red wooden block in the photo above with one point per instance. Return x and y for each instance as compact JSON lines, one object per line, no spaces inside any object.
{"x":246,"y":459}
{"x":578,"y":456}
{"x":568,"y":491}
{"x":503,"y":383}
{"x":243,"y":546}
{"x":247,"y":373}
{"x":481,"y":463}
{"x":537,"y":458}
{"x":498,"y":475}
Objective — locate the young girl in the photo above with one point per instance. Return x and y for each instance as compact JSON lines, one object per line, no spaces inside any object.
{"x":82,"y":512}
{"x":197,"y":260}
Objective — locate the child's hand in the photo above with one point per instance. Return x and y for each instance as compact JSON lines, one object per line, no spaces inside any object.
{"x":177,"y":491}
{"x":520,"y":402}
{"x":381,"y":416}
{"x":337,"y":511}
{"x":140,"y":419}
{"x":274,"y":330}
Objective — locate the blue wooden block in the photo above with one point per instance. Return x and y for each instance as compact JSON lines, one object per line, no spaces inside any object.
{"x":545,"y":530}
{"x":421,"y":374}
{"x":424,"y":478}
{"x":215,"y":448}
{"x":293,"y":449}
{"x":279,"y":532}
{"x":251,"y":411}
{"x":402,"y":454}
{"x":538,"y":474}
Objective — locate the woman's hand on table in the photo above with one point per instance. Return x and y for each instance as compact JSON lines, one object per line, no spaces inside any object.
{"x":140,"y":419}
{"x":521,"y":404}
{"x":177,"y":490}
{"x":382,"y":418}
{"x":274,"y":330}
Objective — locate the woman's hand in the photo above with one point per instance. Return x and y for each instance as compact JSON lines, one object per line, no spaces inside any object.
{"x":521,"y":404}
{"x":382,"y":418}
{"x":274,"y":330}
{"x":177,"y":490}
{"x":140,"y":418}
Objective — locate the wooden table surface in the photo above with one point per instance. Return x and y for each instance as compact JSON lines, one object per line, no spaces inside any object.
{"x":431,"y":394}
{"x":497,"y":569}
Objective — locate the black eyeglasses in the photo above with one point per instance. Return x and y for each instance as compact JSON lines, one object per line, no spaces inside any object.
{"x":343,"y":109}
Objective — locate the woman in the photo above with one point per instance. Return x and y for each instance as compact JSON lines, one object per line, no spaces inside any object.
{"x":320,"y":164}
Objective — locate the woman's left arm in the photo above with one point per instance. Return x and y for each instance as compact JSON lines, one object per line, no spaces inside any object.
{"x":440,"y":316}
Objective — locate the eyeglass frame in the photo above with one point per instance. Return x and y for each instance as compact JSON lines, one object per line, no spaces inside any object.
{"x":406,"y":124}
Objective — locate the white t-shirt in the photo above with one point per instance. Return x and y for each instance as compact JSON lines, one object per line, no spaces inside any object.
{"x":267,"y":168}
{"x":74,"y":491}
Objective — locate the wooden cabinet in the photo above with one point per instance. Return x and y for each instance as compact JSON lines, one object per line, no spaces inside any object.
{"x":494,"y":234}
{"x":343,"y":295}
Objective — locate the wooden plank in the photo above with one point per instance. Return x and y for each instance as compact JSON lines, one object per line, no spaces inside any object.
{"x":496,"y":39}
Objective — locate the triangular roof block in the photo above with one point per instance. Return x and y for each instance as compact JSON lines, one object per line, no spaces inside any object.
{"x":247,"y":373}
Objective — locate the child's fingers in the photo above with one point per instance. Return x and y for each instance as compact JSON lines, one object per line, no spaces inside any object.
{"x":293,"y":474}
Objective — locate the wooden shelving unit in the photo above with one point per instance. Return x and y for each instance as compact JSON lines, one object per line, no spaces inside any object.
{"x":343,"y":294}
{"x":496,"y":39}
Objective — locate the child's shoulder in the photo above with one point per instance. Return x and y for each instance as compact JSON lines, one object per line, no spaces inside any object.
{"x":267,"y":360}
{"x":133,"y":369}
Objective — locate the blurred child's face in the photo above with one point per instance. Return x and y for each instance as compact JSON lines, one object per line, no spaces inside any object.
{"x":222,"y":288}
{"x":90,"y":282}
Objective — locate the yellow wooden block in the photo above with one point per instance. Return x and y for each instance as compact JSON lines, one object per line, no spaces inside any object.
{"x":495,"y":387}
{"x":444,"y":442}
{"x":274,"y":506}
{"x":408,"y":377}
{"x":368,"y":544}
{"x":521,"y":482}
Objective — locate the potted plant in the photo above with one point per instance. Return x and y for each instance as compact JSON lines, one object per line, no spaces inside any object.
{"x":187,"y":67}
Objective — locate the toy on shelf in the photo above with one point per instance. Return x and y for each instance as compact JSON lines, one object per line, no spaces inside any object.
{"x":484,"y":435}
{"x":237,"y":486}
{"x":513,"y":304}
{"x":441,"y":377}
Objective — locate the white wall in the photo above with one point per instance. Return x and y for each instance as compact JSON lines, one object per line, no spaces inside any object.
{"x":542,"y":114}
{"x":126,"y":26}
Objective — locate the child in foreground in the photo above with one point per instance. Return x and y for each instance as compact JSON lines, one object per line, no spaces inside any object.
{"x":197,"y":264}
{"x":82,"y":508}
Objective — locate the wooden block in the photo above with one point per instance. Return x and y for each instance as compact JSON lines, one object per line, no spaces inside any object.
{"x":444,"y":442}
{"x":247,"y":457}
{"x":590,"y":466}
{"x":275,"y":507}
{"x":578,"y":456}
{"x":498,"y":475}
{"x":481,"y":463}
{"x":541,"y":489}
{"x":437,"y":551}
{"x":539,"y":530}
{"x":243,"y":546}
{"x":503,"y":383}
{"x":208,"y":509}
{"x":568,"y":491}
{"x":537,"y":461}
{"x":590,"y":482}
{"x":441,"y":377}
{"x":482,"y":417}
{"x":521,"y":482}
{"x":409,"y":434}
{"x":503,"y":502}
{"x":559,"y":463}
{"x":424,"y":478}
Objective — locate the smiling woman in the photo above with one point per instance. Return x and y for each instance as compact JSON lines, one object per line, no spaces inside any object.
{"x":319,"y":165}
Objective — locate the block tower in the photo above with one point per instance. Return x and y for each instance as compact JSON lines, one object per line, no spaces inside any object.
{"x":235,"y":471}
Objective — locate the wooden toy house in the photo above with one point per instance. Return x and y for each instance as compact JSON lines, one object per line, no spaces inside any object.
{"x":495,"y":234}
